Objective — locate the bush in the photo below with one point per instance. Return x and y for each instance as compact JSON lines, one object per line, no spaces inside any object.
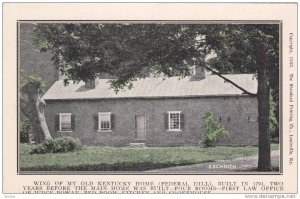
{"x":212,"y":129}
{"x":24,"y":131}
{"x":58,"y":145}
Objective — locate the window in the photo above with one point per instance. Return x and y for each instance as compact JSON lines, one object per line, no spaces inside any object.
{"x":220,"y":119}
{"x":65,"y":123}
{"x":104,"y":123}
{"x":174,"y":120}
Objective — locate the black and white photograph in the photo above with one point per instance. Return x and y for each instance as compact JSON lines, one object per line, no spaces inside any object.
{"x":165,"y":98}
{"x":153,"y":96}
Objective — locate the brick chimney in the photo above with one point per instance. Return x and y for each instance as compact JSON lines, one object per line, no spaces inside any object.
{"x":199,"y":72}
{"x":57,"y":75}
{"x":90,"y":83}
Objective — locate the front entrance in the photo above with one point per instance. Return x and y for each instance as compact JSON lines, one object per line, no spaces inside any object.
{"x":140,"y":126}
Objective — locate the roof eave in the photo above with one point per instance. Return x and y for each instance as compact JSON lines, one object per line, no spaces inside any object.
{"x":154,"y":97}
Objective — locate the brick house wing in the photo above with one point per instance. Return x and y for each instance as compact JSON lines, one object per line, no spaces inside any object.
{"x":156,"y":111}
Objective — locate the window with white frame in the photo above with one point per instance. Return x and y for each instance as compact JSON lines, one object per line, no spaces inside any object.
{"x":65,"y":122}
{"x":174,"y":120}
{"x":104,"y":121}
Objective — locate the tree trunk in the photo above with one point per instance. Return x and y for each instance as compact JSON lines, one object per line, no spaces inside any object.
{"x":40,"y":105}
{"x":33,"y":109}
{"x":263,"y":93}
{"x":36,"y":129}
{"x":264,"y":154}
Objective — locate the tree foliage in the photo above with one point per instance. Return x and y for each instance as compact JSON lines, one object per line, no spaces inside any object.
{"x":124,"y":51}
{"x":237,"y":53}
{"x":31,"y":84}
{"x":127,"y":51}
{"x":24,"y":130}
{"x":235,"y":46}
{"x":212,"y":129}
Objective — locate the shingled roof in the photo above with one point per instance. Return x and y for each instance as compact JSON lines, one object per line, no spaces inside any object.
{"x":212,"y":85}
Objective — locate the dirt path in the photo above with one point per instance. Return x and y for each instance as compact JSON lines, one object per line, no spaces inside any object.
{"x":243,"y":164}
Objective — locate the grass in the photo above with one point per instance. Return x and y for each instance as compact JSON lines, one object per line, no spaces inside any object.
{"x":128,"y":159}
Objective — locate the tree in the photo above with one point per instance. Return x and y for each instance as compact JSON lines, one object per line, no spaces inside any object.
{"x":125,"y":51}
{"x":250,"y":49}
{"x":32,"y":106}
{"x":212,"y":129}
{"x":129,"y":51}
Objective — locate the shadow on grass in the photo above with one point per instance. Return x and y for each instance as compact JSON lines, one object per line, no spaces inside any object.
{"x":254,"y":169}
{"x":123,"y":166}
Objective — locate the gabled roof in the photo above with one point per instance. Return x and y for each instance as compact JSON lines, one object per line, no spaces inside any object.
{"x":212,"y":85}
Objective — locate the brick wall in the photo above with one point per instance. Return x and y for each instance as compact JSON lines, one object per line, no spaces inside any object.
{"x":242,"y":131}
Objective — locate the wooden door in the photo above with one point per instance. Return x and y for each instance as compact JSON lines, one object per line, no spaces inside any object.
{"x":140,"y":125}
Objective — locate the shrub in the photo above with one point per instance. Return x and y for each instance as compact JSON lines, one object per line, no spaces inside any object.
{"x":58,"y":145}
{"x":24,"y":131}
{"x":212,"y":129}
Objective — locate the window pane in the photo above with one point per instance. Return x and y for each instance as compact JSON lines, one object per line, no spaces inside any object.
{"x":174,"y":121}
{"x":65,"y":122}
{"x":104,"y":119}
{"x":104,"y":124}
{"x":65,"y":126}
{"x":66,"y":118}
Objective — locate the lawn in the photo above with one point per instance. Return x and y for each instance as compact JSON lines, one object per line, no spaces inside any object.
{"x":128,"y":159}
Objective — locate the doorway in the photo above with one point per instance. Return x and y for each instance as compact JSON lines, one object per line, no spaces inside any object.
{"x":140,"y":126}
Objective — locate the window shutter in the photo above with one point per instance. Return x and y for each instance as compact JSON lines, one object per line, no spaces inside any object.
{"x":56,"y":122}
{"x":166,"y":121}
{"x":135,"y":126}
{"x":96,"y":121}
{"x":181,"y":121}
{"x":73,"y":122}
{"x":112,"y":121}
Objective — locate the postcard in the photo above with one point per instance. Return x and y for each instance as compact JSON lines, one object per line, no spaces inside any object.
{"x":150,"y":98}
